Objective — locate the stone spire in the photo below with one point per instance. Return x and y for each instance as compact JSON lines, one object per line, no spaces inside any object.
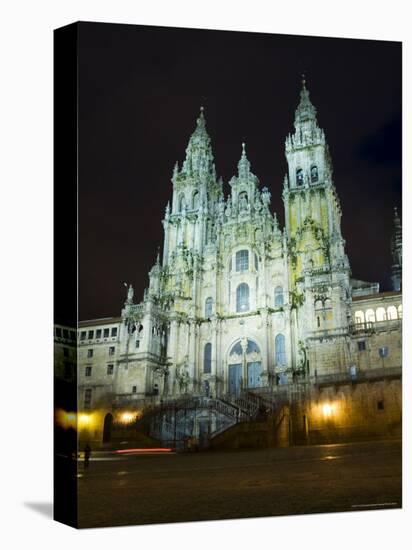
{"x":199,"y":160}
{"x":307,"y":131}
{"x":396,"y":247}
{"x":243,"y":165}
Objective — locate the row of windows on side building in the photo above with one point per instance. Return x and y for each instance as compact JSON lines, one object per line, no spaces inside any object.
{"x":100,"y":333}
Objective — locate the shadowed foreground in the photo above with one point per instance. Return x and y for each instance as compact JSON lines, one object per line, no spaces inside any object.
{"x":209,"y":486}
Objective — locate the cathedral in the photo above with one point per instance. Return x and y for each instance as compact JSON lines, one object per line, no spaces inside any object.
{"x":236,"y":303}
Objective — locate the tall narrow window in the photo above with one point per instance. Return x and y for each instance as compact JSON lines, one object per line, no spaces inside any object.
{"x":299,"y":177}
{"x":242,"y":260}
{"x":278,"y":296}
{"x":314,"y":174}
{"x":242,"y":297}
{"x":195,"y":200}
{"x":207,"y":358}
{"x":280,"y":350}
{"x":182,"y":203}
{"x":208,"y":307}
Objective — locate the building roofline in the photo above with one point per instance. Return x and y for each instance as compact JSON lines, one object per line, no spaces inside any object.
{"x":101,"y":321}
{"x":385,"y":294}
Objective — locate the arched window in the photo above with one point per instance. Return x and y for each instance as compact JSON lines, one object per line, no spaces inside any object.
{"x":278,"y":296}
{"x":195,"y":200}
{"x":182,"y":202}
{"x":392,"y":313}
{"x":327,"y":304}
{"x":314,"y":174}
{"x":400,"y":311}
{"x":207,"y":358}
{"x":359,"y":317}
{"x":242,"y":260}
{"x":381,"y":314}
{"x":370,"y":316}
{"x":280,"y":350}
{"x":242,"y":297}
{"x":208,"y":307}
{"x":299,"y":177}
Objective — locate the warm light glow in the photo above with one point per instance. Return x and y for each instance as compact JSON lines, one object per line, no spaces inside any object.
{"x":327,"y":409}
{"x":66,"y":419}
{"x":127,"y":417}
{"x":84,"y":420}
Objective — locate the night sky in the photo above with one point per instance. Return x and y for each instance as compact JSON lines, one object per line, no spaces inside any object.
{"x":140,"y":89}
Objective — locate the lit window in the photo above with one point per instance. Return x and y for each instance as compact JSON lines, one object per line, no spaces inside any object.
{"x":242,"y":297}
{"x":280,"y":350}
{"x":111,"y":350}
{"x":208,"y":307}
{"x":207,"y":359}
{"x":88,"y":371}
{"x":359,"y":317}
{"x":381,"y":314}
{"x":242,"y":260}
{"x":370,"y":316}
{"x":392,"y":313}
{"x":109,"y":369}
{"x":299,"y":177}
{"x":278,"y":296}
{"x":89,"y":353}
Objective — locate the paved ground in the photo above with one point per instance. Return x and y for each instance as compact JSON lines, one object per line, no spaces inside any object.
{"x":208,"y":486}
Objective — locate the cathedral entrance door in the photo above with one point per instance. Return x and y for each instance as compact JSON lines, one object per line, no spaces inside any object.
{"x":254,"y":374}
{"x":235,"y":376}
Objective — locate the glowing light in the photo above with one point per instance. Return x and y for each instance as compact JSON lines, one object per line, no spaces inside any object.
{"x":127,"y":417}
{"x":327,"y":409}
{"x":84,"y":420}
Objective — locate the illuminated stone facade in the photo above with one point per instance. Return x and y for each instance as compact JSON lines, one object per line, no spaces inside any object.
{"x":236,"y":302}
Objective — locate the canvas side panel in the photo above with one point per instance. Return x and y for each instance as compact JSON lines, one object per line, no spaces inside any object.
{"x":65,"y":274}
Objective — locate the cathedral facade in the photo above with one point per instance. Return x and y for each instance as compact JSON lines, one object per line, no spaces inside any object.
{"x":235,"y":302}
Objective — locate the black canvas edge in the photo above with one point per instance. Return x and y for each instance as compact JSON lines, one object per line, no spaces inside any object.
{"x":65,"y":261}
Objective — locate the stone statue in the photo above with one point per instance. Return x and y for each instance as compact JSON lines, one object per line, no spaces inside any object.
{"x":229,"y":208}
{"x":243,"y":202}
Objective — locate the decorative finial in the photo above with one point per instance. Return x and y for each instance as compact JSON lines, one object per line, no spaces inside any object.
{"x":202,"y":108}
{"x":243,"y":148}
{"x":303,"y":80}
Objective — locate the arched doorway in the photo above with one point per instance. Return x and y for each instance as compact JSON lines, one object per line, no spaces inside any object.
{"x":244,"y":366}
{"x":107,"y":428}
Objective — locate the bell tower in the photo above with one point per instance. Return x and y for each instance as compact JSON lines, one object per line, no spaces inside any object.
{"x":319,"y":271}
